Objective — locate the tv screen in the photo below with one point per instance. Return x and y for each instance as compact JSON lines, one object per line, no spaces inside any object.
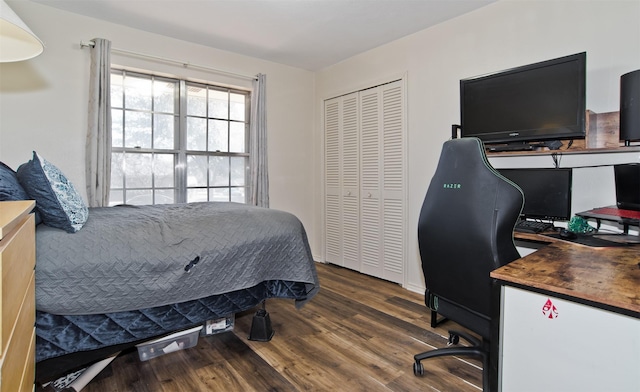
{"x":547,"y":192}
{"x":627,"y":179}
{"x":536,"y":102}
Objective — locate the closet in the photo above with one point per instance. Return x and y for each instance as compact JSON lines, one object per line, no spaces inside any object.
{"x":365,"y":168}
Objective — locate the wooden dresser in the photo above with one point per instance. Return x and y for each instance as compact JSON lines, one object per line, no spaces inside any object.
{"x":17,"y":301}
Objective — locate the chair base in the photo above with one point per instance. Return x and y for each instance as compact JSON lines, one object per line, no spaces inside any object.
{"x":477,"y":349}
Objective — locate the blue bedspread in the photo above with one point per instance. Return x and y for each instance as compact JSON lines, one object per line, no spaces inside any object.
{"x":128,"y":258}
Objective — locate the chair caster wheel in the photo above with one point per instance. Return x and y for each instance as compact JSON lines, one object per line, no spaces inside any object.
{"x":454,"y":339}
{"x":418,"y":369}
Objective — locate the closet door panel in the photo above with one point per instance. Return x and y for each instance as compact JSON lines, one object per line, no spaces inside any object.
{"x":370,"y":172}
{"x":393,"y":182}
{"x":350,"y":140}
{"x":342,"y":206}
{"x":333,"y":210}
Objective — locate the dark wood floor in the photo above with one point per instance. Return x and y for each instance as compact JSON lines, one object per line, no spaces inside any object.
{"x":358,"y":334}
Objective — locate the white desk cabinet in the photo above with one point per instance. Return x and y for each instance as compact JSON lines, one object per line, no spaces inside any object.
{"x":569,"y":320}
{"x":565,"y":346}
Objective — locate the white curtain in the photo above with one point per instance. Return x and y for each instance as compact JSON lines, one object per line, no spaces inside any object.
{"x":258,"y":144}
{"x":98,"y":147}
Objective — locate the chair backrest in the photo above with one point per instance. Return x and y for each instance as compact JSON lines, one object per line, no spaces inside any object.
{"x":465,"y":231}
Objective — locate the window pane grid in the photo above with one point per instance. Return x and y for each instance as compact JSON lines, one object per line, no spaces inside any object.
{"x":220,"y":125}
{"x":153,"y":164}
{"x":142,"y":178}
{"x":223,"y":176}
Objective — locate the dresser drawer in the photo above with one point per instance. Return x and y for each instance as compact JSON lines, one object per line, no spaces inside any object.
{"x":17,"y":367}
{"x":17,"y":261}
{"x":29,"y":374}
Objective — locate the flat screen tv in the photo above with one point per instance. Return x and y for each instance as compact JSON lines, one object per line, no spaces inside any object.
{"x":536,"y":102}
{"x":547,"y":192}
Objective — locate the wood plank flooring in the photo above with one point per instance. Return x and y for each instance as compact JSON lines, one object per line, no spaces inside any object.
{"x":358,"y":334}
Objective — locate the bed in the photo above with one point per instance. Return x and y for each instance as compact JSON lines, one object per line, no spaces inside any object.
{"x":133,"y":273}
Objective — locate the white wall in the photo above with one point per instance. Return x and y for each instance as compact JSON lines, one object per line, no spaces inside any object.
{"x":43,"y":101}
{"x":499,"y":36}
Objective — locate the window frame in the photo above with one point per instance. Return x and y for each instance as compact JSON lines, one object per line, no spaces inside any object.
{"x":180,"y":151}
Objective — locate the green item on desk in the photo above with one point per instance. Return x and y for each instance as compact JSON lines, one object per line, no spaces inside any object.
{"x":580,"y":225}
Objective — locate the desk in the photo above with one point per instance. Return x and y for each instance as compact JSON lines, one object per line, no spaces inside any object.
{"x":570,"y":320}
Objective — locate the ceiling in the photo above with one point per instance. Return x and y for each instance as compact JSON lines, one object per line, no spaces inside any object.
{"x":308,"y":34}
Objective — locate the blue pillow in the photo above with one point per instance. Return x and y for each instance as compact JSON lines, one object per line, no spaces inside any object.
{"x":57,"y":201}
{"x":10,"y":188}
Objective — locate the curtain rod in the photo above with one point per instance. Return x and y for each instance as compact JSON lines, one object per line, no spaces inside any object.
{"x":84,"y":44}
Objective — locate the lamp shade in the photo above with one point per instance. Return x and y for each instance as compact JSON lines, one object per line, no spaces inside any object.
{"x":17,"y":41}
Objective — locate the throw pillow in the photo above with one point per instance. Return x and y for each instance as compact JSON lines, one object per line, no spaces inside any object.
{"x":58,"y":202}
{"x":10,"y":188}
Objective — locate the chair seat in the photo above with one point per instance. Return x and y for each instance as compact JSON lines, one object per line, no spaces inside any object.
{"x":478,"y":323}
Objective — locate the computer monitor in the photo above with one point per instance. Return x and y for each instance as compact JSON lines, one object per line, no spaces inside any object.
{"x":627,"y":177}
{"x":541,"y":101}
{"x":547,"y":192}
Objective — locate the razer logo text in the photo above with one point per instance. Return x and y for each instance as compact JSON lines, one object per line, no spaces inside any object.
{"x":452,"y":186}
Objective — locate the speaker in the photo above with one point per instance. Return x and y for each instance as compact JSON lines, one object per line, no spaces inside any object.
{"x":630,"y":107}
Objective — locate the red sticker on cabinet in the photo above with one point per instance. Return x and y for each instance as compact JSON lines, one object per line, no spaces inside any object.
{"x":550,"y":310}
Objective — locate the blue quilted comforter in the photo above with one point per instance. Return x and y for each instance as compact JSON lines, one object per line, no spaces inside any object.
{"x":137,"y":257}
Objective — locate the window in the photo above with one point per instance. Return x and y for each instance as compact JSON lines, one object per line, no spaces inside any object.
{"x":176,"y":141}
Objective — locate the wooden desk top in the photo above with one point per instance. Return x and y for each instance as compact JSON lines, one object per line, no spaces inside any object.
{"x":609,"y":276}
{"x":539,"y":238}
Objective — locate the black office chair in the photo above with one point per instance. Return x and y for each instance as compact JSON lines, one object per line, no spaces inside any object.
{"x":465,"y":231}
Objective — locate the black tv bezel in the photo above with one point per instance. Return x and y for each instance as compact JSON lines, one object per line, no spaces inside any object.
{"x":573,"y":131}
{"x":550,"y":217}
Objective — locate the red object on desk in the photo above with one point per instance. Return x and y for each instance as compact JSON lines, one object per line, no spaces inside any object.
{"x":613,"y":211}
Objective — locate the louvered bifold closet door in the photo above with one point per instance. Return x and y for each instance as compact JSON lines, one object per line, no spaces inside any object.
{"x":342,"y":209}
{"x":382,"y":179}
{"x":332,"y":208}
{"x":350,"y":182}
{"x":393,"y":182}
{"x":370,"y":230}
